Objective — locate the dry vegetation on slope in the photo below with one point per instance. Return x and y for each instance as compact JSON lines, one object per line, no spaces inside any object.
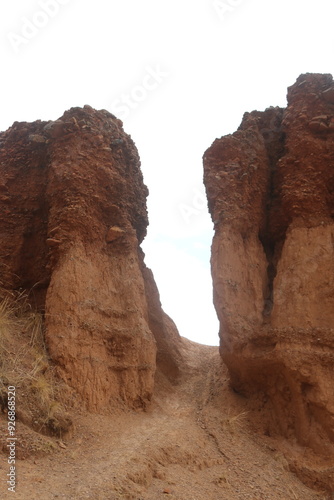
{"x":41,"y":397}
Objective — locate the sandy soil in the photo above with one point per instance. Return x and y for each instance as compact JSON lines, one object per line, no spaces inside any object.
{"x":196,"y":442}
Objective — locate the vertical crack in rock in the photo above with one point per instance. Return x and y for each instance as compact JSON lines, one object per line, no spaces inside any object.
{"x":269,"y":124}
{"x":270,"y":194}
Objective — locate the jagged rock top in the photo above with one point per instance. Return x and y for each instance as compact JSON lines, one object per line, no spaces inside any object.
{"x":286,"y":154}
{"x":73,"y":137}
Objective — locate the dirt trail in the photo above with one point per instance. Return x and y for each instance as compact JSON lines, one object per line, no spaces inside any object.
{"x":194,"y":443}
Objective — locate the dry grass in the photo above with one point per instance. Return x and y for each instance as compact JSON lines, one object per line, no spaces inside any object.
{"x":34,"y":327}
{"x":233,"y":423}
{"x":8,"y":322}
{"x":24,"y":364}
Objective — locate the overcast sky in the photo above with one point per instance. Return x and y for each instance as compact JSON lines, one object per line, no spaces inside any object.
{"x":179,"y":73}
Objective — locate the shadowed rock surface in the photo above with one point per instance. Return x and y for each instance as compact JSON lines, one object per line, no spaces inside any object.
{"x":73,"y":215}
{"x":270,"y":188}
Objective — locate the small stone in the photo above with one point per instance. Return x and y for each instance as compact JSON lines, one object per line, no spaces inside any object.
{"x":318,"y":126}
{"x":114,"y":233}
{"x":55,"y":129}
{"x":52,"y":242}
{"x":39,"y":139}
{"x":117,"y":142}
{"x":320,"y":118}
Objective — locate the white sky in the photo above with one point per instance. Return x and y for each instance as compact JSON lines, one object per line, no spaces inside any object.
{"x":190,"y":68}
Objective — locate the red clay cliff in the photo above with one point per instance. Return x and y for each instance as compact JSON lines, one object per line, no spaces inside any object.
{"x":73,"y":215}
{"x":270,"y":188}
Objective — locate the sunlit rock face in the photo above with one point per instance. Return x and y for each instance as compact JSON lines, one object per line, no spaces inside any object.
{"x":270,"y":189}
{"x":73,"y":215}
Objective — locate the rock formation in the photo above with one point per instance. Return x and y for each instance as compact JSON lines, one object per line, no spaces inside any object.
{"x":270,"y":188}
{"x":73,"y":215}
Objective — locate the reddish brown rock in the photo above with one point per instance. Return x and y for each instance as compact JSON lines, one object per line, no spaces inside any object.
{"x":73,"y":215}
{"x":114,"y":233}
{"x":270,"y":188}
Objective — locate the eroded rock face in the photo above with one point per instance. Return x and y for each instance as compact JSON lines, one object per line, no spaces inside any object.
{"x":73,"y":214}
{"x":270,"y":188}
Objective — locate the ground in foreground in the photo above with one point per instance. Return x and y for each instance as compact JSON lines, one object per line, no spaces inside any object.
{"x":197,"y":441}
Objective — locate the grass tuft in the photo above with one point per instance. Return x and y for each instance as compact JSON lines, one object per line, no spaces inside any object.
{"x":233,"y":423}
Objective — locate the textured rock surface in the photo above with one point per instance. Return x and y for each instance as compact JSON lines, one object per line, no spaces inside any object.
{"x":270,"y":188}
{"x":73,"y":214}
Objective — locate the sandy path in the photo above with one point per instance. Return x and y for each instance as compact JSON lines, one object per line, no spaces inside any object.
{"x":183,"y":448}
